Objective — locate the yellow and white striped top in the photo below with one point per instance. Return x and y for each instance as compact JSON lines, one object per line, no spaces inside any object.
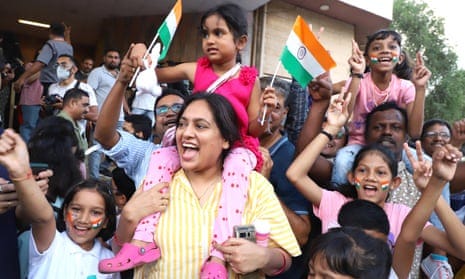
{"x":185,"y":229}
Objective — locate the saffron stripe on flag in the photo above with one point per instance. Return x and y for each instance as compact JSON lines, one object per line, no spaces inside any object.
{"x":311,"y":42}
{"x":293,"y":66}
{"x":308,"y":61}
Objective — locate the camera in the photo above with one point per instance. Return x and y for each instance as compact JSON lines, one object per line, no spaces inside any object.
{"x":52,"y":99}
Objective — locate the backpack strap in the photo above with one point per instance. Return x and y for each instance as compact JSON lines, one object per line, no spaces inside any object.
{"x":54,"y":51}
{"x":77,"y":84}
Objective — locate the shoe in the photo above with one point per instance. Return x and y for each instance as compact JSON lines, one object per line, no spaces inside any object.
{"x":129,"y":257}
{"x":213,"y":270}
{"x":437,"y":267}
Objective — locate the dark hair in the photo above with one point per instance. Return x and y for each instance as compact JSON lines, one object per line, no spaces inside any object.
{"x":349,"y":190}
{"x":384,"y":107}
{"x":72,"y":94}
{"x":281,"y":86}
{"x":435,"y":121}
{"x":110,"y":49}
{"x":140,"y":123}
{"x":223,"y":114}
{"x":70,"y":58}
{"x":123,"y":182}
{"x":166,"y":91}
{"x":110,"y":208}
{"x":350,"y":251}
{"x":57,"y":29}
{"x":51,"y":142}
{"x":235,"y":19}
{"x":364,"y":214}
{"x":403,"y":69}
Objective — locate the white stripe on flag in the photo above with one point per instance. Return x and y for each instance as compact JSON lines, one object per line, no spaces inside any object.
{"x":303,"y":55}
{"x":171,"y":23}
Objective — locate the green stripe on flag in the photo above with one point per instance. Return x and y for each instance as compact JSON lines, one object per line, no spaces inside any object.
{"x":165,"y":38}
{"x":293,"y":66}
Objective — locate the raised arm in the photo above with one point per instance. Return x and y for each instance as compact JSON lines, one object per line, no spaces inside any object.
{"x":357,"y":65}
{"x":452,"y":239}
{"x":297,"y":173}
{"x":416,"y":110}
{"x":34,"y":205}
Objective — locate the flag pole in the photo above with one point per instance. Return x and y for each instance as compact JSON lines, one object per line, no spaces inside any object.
{"x":136,"y":73}
{"x":271,"y":85}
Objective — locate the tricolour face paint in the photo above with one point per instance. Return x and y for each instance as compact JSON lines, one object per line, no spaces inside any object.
{"x":70,"y":217}
{"x":395,"y":57}
{"x":97,"y":223}
{"x":374,"y":60}
{"x":357,"y":184}
{"x":385,"y":185}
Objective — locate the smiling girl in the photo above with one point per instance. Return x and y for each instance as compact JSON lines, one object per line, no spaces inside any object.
{"x":88,"y":212}
{"x":372,"y":177}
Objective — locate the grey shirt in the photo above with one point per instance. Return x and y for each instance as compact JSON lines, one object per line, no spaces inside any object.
{"x":49,"y":54}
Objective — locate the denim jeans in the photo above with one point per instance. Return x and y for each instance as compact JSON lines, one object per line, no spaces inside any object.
{"x":30,"y":120}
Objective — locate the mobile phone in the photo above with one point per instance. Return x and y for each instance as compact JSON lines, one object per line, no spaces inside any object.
{"x":245,"y":231}
{"x":38,"y":167}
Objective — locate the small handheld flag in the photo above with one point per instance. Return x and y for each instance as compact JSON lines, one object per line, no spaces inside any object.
{"x":303,"y":56}
{"x":166,"y":33}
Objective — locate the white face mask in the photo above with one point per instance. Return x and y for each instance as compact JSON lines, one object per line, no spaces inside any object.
{"x":63,"y":73}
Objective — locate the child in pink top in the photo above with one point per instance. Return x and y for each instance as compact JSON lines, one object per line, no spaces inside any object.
{"x":372,"y":176}
{"x":381,"y":74}
{"x":224,"y":30}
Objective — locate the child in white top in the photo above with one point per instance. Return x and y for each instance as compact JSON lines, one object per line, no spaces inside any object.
{"x":88,"y":213}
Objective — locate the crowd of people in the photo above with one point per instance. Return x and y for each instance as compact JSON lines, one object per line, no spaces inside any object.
{"x":242,"y":176}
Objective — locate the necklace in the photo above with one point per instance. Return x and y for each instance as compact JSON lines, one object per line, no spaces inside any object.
{"x":380,"y":96}
{"x":199,"y":197}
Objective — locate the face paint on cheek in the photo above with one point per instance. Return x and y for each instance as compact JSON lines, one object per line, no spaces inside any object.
{"x":97,"y":223}
{"x":374,"y":60}
{"x":357,"y":184}
{"x":71,"y":217}
{"x":395,"y":57}
{"x":385,"y":186}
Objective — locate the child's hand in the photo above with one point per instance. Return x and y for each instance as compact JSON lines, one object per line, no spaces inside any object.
{"x":458,"y":133}
{"x":338,"y":113}
{"x":421,"y":74}
{"x":267,"y":162}
{"x":269,"y":98}
{"x":136,"y":55}
{"x":422,"y":168}
{"x":13,"y":154}
{"x":357,"y":61}
{"x":445,"y":161}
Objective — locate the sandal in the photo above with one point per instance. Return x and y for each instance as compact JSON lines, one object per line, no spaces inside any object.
{"x":213,"y":270}
{"x":129,"y":257}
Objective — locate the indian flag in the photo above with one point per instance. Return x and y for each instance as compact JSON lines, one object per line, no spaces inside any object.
{"x":168,"y":28}
{"x":303,"y":56}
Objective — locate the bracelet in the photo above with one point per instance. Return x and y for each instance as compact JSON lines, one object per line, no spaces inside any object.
{"x":27,"y":176}
{"x":357,"y":75}
{"x":283,"y":267}
{"x":330,"y":137}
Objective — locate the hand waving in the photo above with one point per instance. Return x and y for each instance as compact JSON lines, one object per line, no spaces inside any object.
{"x":422,"y":168}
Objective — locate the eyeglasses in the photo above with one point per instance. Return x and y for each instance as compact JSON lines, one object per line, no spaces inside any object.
{"x":162,"y":110}
{"x":443,"y":135}
{"x":341,"y":134}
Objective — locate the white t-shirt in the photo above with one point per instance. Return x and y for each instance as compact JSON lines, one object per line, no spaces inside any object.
{"x":65,"y":259}
{"x":61,"y":90}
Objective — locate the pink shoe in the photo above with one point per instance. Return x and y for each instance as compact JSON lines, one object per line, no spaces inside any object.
{"x":129,"y":257}
{"x":213,"y":270}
